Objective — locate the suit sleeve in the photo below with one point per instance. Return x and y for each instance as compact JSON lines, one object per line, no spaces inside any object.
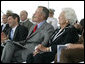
{"x":23,"y":32}
{"x":47,"y":34}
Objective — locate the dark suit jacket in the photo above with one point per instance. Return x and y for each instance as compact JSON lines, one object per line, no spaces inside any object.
{"x":67,"y":35}
{"x":20,"y":34}
{"x":6,"y":29}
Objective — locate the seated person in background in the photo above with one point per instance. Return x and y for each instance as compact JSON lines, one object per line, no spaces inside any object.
{"x":66,"y":33}
{"x":53,"y":21}
{"x":16,"y":31}
{"x":38,"y":34}
{"x":24,"y":20}
{"x":74,"y":53}
{"x":5,"y":26}
{"x":79,"y":26}
{"x":9,"y":12}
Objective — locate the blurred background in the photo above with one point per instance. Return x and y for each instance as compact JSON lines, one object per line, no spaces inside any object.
{"x":30,"y":7}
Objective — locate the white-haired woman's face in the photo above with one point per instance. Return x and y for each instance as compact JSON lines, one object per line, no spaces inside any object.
{"x":62,"y":19}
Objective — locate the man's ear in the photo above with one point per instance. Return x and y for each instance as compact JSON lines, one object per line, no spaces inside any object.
{"x":16,"y":19}
{"x":67,"y":21}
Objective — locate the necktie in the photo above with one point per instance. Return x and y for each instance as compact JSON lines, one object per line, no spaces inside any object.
{"x":35,"y":28}
{"x":33,"y":31}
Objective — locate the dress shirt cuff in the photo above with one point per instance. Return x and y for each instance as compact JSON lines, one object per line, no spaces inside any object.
{"x":50,"y":49}
{"x":67,"y":44}
{"x":36,"y":47}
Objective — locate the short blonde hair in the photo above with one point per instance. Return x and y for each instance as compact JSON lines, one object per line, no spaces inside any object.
{"x":70,"y":15}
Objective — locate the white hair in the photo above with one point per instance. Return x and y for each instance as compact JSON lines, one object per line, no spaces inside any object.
{"x":70,"y":15}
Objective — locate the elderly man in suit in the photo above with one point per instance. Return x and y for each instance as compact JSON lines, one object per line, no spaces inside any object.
{"x":5,"y":26}
{"x":65,"y":34}
{"x":24,"y":20}
{"x":38,"y":34}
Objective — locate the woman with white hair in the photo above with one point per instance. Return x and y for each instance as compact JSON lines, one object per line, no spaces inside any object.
{"x":65,"y":34}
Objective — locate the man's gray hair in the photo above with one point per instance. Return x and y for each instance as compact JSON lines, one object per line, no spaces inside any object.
{"x":70,"y":15}
{"x":24,"y":12}
{"x":45,"y":11}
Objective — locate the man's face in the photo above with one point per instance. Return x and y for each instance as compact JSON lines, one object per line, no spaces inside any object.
{"x":62,"y":19}
{"x":4,"y":19}
{"x":11,"y":21}
{"x":38,"y":15}
{"x":23,"y":16}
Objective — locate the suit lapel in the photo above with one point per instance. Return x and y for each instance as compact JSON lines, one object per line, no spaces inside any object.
{"x":5,"y":27}
{"x":39,"y":29}
{"x":9,"y":33}
{"x":15,"y":34}
{"x":30,"y":32}
{"x":62,"y":32}
{"x":1,"y":27}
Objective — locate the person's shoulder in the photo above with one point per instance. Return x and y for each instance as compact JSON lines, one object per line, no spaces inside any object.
{"x":48,"y":25}
{"x":29,"y":22}
{"x":54,"y":18}
{"x":21,"y":27}
{"x":71,"y":28}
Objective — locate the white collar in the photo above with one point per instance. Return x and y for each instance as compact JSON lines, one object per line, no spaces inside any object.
{"x":40,"y":24}
{"x":24,"y":20}
{"x":4,"y":24}
{"x":14,"y":28}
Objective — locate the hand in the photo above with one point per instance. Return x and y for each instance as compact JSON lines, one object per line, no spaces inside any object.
{"x":77,"y":26}
{"x":37,"y":49}
{"x":74,"y":46}
{"x":42,"y":48}
{"x":3,"y":37}
{"x":35,"y":52}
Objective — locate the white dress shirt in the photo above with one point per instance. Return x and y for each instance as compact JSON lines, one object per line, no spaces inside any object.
{"x":12,"y":32}
{"x":4,"y":25}
{"x":23,"y":21}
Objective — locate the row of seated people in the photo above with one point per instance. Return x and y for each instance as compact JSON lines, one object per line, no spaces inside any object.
{"x":73,"y":53}
{"x":41,"y":41}
{"x":27,"y":22}
{"x":20,"y":27}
